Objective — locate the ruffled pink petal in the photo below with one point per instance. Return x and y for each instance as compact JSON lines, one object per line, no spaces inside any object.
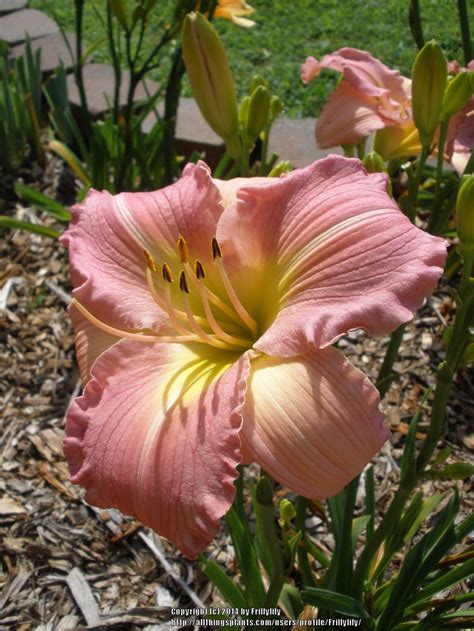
{"x":311,"y":421}
{"x":108,"y":234}
{"x":364,"y":73}
{"x":348,"y":117}
{"x":310,"y":69}
{"x":155,"y":434}
{"x":334,"y":252}
{"x":460,"y":137}
{"x":90,"y":342}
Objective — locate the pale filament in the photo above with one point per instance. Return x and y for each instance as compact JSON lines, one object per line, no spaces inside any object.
{"x":166,"y":303}
{"x":212,"y":296}
{"x":218,"y":330}
{"x":173,"y":313}
{"x":239,"y":308}
{"x":204,"y":337}
{"x":140,"y":337}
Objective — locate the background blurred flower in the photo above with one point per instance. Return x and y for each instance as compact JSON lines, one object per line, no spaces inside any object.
{"x":370,"y":96}
{"x":234,"y":362}
{"x":234,"y":10}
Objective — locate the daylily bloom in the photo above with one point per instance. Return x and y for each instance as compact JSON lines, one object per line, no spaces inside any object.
{"x":370,"y":96}
{"x":373,"y":98}
{"x":234,"y":10}
{"x":204,"y":315}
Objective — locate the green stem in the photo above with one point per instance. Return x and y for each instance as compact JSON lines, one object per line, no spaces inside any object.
{"x":465,"y":32}
{"x":414,"y":18}
{"x":115,"y":63}
{"x":414,"y":183}
{"x":343,"y":551}
{"x":383,"y":379}
{"x":301,"y":552}
{"x":266,"y":520}
{"x":173,"y":89}
{"x":78,"y":65}
{"x":443,"y":130}
{"x":222,"y":166}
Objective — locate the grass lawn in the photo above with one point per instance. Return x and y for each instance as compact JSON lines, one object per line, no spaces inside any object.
{"x":287,"y":31}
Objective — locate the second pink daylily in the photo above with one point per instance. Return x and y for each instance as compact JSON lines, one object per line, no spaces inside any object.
{"x":374,"y":98}
{"x":370,"y":96}
{"x":204,"y":315}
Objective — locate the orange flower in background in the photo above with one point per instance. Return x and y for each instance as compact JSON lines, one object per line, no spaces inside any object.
{"x":234,"y":10}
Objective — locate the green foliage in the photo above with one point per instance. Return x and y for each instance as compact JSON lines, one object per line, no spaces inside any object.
{"x":318,"y":28}
{"x":20,"y":107}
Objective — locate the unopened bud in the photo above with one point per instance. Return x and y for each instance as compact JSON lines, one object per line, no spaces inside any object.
{"x":211,"y":79}
{"x":430,"y":73}
{"x":457,"y":93}
{"x":287,"y":511}
{"x":257,"y":80}
{"x":119,"y":10}
{"x":374,"y":163}
{"x":259,"y":108}
{"x":276,"y":107}
{"x":244,"y":110}
{"x":279,"y":169}
{"x":465,"y":212}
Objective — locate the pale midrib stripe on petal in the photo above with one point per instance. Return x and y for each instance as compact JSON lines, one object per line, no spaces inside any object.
{"x":291,"y":264}
{"x":155,"y":425}
{"x":142,"y":239}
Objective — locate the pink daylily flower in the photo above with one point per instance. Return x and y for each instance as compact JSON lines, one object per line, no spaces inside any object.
{"x":373,"y":98}
{"x":232,"y":361}
{"x":370,"y":96}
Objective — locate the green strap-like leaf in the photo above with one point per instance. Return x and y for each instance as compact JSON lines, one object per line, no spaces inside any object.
{"x":9,"y":222}
{"x":334,"y":601}
{"x":229,"y":590}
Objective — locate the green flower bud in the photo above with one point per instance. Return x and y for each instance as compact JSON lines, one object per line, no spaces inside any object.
{"x":211,"y":79}
{"x":256,"y":81}
{"x":119,"y":10}
{"x":457,"y":93}
{"x":259,"y":109}
{"x":374,"y":163}
{"x":244,"y":110}
{"x":282,"y":167}
{"x":430,"y":73}
{"x":287,"y":511}
{"x":276,"y":107}
{"x":465,"y":212}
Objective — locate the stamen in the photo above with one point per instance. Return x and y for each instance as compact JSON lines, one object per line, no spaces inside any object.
{"x":166,"y":303}
{"x":166,"y":273}
{"x":218,"y":330}
{"x":212,"y":296}
{"x":150,"y":261}
{"x":216,"y":249}
{"x":238,"y":306}
{"x":205,"y":337}
{"x":183,"y":282}
{"x":173,"y":313}
{"x":199,"y":270}
{"x":140,"y":337}
{"x":182,"y":249}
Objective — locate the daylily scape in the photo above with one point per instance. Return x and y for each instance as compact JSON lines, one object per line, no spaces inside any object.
{"x":204,"y":315}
